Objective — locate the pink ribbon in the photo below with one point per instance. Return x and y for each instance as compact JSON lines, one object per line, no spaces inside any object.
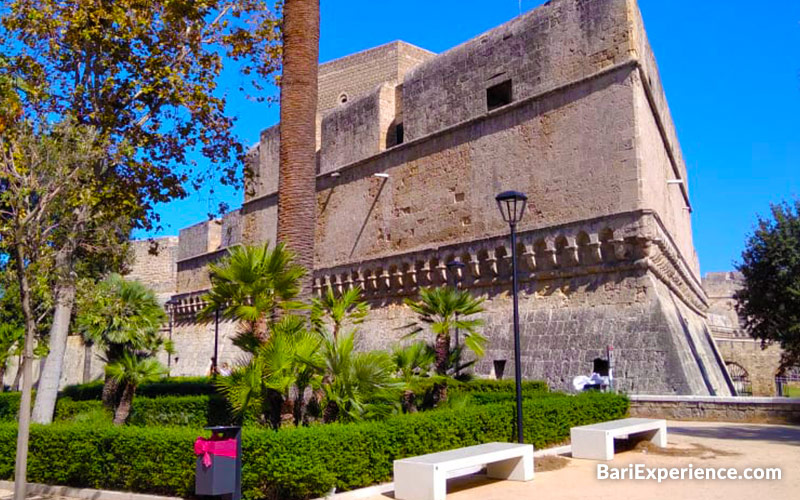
{"x":220,"y":448}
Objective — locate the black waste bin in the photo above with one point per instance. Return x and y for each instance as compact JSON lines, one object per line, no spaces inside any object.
{"x":219,"y":463}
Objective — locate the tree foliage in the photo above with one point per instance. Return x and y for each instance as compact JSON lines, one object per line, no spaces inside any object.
{"x":769,"y":301}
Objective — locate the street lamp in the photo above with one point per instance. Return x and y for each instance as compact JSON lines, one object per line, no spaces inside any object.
{"x":456,"y":267}
{"x":512,"y":208}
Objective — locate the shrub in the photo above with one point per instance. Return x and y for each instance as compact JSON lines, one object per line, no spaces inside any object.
{"x":190,"y":411}
{"x":291,"y":463}
{"x":175,"y":386}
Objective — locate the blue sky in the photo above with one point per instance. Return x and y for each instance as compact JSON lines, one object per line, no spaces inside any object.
{"x":731,"y":70}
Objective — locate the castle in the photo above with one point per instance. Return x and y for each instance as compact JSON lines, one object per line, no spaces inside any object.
{"x":564,"y":103}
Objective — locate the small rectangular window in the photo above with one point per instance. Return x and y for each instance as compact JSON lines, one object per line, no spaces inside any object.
{"x":398,"y":130}
{"x":498,"y":95}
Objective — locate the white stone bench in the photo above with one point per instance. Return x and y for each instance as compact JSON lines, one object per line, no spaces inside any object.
{"x":425,"y":477}
{"x":596,"y":441}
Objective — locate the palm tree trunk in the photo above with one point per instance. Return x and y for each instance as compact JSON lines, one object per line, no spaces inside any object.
{"x":274,"y":408}
{"x":297,"y":193}
{"x":2,"y":376}
{"x":331,"y":412}
{"x":409,"y":402}
{"x":125,"y":404}
{"x":299,"y":407}
{"x":442,"y":350}
{"x":110,"y":393}
{"x":50,"y":377}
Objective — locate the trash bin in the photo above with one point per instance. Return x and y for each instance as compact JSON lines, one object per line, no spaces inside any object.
{"x":219,"y":463}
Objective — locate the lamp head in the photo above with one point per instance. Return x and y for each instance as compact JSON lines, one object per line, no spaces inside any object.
{"x":512,"y":205}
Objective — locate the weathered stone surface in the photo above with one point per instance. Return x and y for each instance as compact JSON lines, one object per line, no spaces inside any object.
{"x":606,"y":251}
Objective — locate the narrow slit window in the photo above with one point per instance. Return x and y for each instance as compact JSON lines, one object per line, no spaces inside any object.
{"x":398,"y":131}
{"x":498,"y":95}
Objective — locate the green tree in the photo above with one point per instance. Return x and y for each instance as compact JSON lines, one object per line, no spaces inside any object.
{"x":297,"y":186}
{"x":123,"y":318}
{"x":144,"y":76}
{"x":412,"y":362}
{"x":42,"y":170}
{"x":129,"y":372}
{"x":357,"y":385}
{"x":335,"y":312}
{"x":441,"y":310}
{"x":252,"y":285}
{"x":769,"y":301}
{"x":273,"y":383}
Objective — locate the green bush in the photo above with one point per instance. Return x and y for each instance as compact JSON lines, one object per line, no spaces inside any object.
{"x":190,"y":411}
{"x":9,"y":406}
{"x":175,"y":386}
{"x":291,"y":463}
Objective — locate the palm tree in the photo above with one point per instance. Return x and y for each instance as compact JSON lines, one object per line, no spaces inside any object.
{"x":275,"y":379}
{"x":129,"y":372}
{"x":357,"y":385}
{"x":412,"y":362}
{"x":441,"y":310}
{"x":335,"y":311}
{"x":297,"y":194}
{"x":122,"y":317}
{"x":251,"y":285}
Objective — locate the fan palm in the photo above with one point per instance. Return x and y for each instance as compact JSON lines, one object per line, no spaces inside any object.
{"x":122,"y":317}
{"x":251,"y":285}
{"x":275,"y":379}
{"x":349,"y":307}
{"x":357,"y":385}
{"x":441,"y":310}
{"x":129,"y":372}
{"x":412,"y":362}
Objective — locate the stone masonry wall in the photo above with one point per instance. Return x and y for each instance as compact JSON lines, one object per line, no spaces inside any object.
{"x":358,"y":74}
{"x":570,"y":151}
{"x":358,"y":129}
{"x":156,"y":270}
{"x":548,"y":47}
{"x":720,"y":409}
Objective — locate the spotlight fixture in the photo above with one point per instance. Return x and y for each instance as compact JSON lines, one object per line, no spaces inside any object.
{"x":381,"y":175}
{"x":675,"y":181}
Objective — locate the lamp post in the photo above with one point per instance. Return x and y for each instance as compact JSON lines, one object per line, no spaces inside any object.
{"x":455,"y":267}
{"x":512,"y":208}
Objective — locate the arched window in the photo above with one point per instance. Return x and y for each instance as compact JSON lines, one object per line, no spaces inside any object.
{"x":740,"y":379}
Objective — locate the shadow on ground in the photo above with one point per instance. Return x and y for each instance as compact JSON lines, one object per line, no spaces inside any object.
{"x":773,"y":433}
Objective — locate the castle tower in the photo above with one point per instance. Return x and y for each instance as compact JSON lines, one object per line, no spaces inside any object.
{"x":563,"y":103}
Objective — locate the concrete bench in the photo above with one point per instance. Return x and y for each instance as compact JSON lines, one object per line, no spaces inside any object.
{"x":596,"y":441}
{"x":425,"y":477}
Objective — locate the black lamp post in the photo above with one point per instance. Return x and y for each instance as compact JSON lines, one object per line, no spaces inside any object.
{"x":455,"y":267}
{"x":512,"y":207}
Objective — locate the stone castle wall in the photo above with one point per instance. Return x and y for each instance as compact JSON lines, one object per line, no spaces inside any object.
{"x":761,"y":363}
{"x":605,"y":245}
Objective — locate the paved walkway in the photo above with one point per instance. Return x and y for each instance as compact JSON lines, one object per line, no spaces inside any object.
{"x":701,"y":444}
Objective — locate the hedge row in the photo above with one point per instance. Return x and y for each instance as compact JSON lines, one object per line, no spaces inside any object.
{"x":189,"y":411}
{"x":292,"y":463}
{"x":176,"y":386}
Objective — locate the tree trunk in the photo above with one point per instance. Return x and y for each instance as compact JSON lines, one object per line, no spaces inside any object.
{"x":2,"y":376}
{"x":17,"y":376}
{"x":299,"y":407}
{"x":297,"y":192}
{"x":409,"y":402}
{"x":125,"y":403}
{"x":87,"y":362}
{"x":442,"y":350}
{"x":50,"y":377}
{"x":331,"y":412}
{"x":23,"y":432}
{"x":274,"y":408}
